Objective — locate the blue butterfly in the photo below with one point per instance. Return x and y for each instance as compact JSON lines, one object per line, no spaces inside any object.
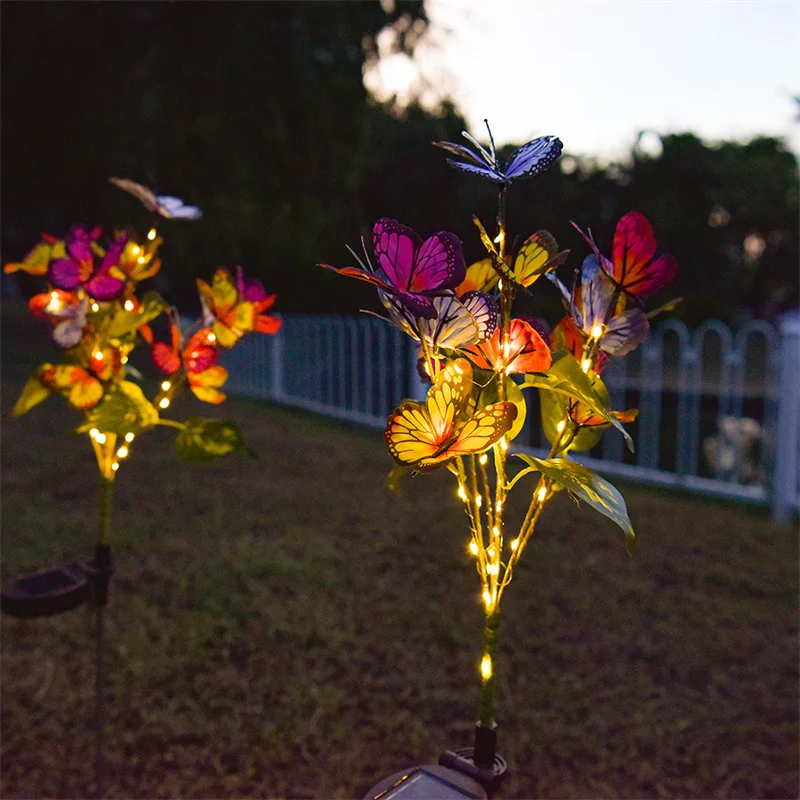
{"x":527,"y":161}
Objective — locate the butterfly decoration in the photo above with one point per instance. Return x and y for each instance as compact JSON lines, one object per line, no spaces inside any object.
{"x":525,"y":350}
{"x":538,"y":255}
{"x":632,"y":267}
{"x":427,"y":435}
{"x":81,"y":389}
{"x":162,"y":204}
{"x":525,"y":162}
{"x":409,"y":268}
{"x":223,"y":311}
{"x":481,"y":277}
{"x":459,"y":321}
{"x":38,"y":259}
{"x":65,"y":311}
{"x":600,"y":312}
{"x":77,"y":269}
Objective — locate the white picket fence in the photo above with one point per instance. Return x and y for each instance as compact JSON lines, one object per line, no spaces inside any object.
{"x":719,"y":411}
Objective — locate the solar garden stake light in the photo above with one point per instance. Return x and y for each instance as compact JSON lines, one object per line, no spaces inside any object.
{"x":478,"y":359}
{"x":97,"y":319}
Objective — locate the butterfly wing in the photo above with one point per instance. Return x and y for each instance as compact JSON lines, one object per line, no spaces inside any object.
{"x":533,"y":157}
{"x":477,"y":169}
{"x":396,"y":247}
{"x":460,"y":322}
{"x":633,"y":248}
{"x":417,"y":432}
{"x":463,"y":152}
{"x":537,"y":256}
{"x":174,"y":208}
{"x":439,"y":264}
{"x":481,"y":277}
{"x":142,"y":193}
{"x":478,"y":433}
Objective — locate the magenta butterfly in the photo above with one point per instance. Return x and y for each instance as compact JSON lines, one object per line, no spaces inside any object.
{"x":410,"y":269}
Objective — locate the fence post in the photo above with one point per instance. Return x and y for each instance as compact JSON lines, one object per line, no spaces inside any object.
{"x":275,"y":386}
{"x":787,"y":457}
{"x":417,"y":390}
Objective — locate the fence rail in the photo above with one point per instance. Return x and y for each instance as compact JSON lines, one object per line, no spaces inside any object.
{"x":719,"y":410}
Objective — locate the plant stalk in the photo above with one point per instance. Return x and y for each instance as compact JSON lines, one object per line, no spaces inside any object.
{"x":490,"y":626}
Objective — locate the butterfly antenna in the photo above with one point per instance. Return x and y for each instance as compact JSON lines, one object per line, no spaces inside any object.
{"x":366,"y":267}
{"x":487,"y":157}
{"x":491,"y":140}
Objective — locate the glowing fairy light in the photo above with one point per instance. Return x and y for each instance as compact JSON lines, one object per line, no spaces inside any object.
{"x":496,"y":531}
{"x":487,"y":599}
{"x":164,"y":403}
{"x":478,"y":500}
{"x":165,"y":385}
{"x":500,"y":238}
{"x":500,"y":284}
{"x":95,"y":307}
{"x":473,"y":548}
{"x":98,"y":356}
{"x":123,"y":359}
{"x":151,"y":234}
{"x":503,"y":444}
{"x":462,"y":493}
{"x":561,"y":425}
{"x":514,"y":545}
{"x":122,"y":452}
{"x":483,"y":459}
{"x":54,"y":304}
{"x":597,"y":331}
{"x":141,"y":260}
{"x":486,"y":666}
{"x":492,"y":569}
{"x":129,"y":305}
{"x":135,"y":249}
{"x":586,"y":364}
{"x":100,"y":438}
{"x":130,"y":436}
{"x":115,"y":466}
{"x":94,"y":433}
{"x":211,"y":337}
{"x":541,"y":495}
{"x":498,"y":506}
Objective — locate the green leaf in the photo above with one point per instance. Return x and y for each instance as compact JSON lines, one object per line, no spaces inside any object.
{"x":393,"y":479}
{"x":206,"y":439}
{"x":586,"y":485}
{"x":566,"y":377}
{"x":554,"y":407}
{"x":126,"y":322}
{"x":32,"y":394}
{"x":489,"y":394}
{"x":123,"y":409}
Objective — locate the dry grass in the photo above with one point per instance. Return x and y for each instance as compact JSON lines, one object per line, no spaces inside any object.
{"x":288,"y":628}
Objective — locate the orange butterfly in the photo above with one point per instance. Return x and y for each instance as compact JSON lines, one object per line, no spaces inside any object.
{"x":428,"y":435}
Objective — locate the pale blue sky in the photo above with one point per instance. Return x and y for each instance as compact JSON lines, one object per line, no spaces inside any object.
{"x":595,"y":72}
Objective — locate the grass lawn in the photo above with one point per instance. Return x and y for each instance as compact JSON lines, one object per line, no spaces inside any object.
{"x":287,"y":628}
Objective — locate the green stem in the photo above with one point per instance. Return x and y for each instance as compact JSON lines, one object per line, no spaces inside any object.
{"x":490,"y":626}
{"x":106,"y":501}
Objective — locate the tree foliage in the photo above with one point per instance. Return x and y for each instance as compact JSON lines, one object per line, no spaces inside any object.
{"x":257,"y":113}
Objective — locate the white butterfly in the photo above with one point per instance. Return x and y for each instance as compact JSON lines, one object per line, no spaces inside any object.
{"x":69,"y":331}
{"x":162,"y":204}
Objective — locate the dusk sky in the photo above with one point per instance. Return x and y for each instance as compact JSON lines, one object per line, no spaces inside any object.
{"x":596,"y":73}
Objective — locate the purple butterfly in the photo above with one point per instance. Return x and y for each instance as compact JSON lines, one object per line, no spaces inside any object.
{"x":525,"y":162}
{"x":79,"y":269}
{"x":410,"y":269}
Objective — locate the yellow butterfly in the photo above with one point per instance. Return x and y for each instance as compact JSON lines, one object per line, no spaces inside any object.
{"x":428,"y":435}
{"x":537,"y":256}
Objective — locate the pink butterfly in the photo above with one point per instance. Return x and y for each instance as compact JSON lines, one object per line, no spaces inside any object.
{"x":632,"y":267}
{"x":411,"y":270}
